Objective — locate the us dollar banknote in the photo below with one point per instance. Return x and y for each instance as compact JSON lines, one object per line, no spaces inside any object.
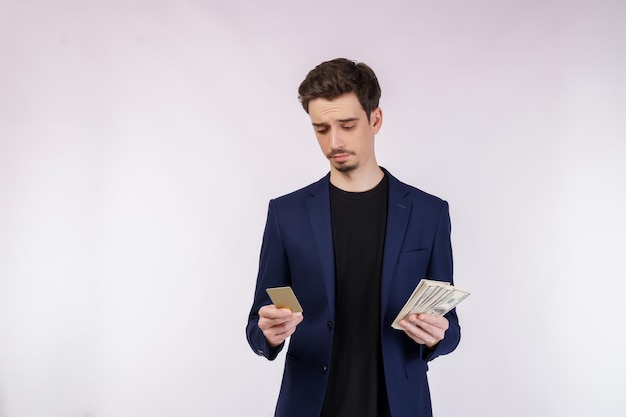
{"x":431,"y":297}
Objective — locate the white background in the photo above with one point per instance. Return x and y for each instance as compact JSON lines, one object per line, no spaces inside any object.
{"x":140,"y":142}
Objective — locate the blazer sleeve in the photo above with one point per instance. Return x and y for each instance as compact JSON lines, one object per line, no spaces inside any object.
{"x":273,"y":272}
{"x":440,"y":266}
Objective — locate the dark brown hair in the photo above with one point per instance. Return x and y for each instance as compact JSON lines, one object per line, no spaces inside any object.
{"x":332,"y":79}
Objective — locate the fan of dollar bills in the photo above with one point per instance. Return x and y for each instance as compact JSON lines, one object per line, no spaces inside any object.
{"x":431,"y":297}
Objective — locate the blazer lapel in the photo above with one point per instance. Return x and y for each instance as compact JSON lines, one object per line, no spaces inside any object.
{"x":397,"y":219}
{"x":319,"y":213}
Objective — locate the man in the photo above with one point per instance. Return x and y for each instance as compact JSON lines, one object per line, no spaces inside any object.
{"x":353,"y":246}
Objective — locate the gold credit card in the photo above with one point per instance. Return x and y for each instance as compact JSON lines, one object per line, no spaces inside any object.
{"x":283,"y":297}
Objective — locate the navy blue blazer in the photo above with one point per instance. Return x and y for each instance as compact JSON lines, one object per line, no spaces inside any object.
{"x":297,"y":250}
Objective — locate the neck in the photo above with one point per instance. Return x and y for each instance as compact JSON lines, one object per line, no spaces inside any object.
{"x":358,"y":180}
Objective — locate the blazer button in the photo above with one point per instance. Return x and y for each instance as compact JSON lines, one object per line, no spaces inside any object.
{"x":329,"y":324}
{"x":323,"y":368}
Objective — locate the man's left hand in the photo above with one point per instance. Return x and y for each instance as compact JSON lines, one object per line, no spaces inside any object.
{"x":425,"y":329}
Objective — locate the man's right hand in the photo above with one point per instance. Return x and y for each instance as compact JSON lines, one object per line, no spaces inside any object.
{"x":278,"y":324}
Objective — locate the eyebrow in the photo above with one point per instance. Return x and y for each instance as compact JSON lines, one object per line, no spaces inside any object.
{"x":350,"y":119}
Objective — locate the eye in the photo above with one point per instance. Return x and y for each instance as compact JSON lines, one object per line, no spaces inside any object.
{"x":321,"y":130}
{"x":348,"y":127}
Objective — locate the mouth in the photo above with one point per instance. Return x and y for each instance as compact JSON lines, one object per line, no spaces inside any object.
{"x":342,"y":157}
{"x":339,"y":156}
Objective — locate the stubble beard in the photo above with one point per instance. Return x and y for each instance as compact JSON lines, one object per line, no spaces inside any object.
{"x":344,"y":168}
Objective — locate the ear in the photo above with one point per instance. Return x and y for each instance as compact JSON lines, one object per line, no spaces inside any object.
{"x":376,"y":119}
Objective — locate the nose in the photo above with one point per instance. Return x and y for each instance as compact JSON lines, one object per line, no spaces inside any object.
{"x":336,"y":142}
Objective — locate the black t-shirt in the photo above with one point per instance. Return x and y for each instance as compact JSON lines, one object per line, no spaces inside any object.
{"x":356,"y":381}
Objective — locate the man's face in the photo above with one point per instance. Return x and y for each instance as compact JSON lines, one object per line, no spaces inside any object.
{"x":344,"y":133}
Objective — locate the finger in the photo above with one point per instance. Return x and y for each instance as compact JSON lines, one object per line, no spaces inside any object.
{"x":431,"y":330}
{"x":267,"y":322}
{"x":423,"y":324}
{"x":420,"y":335}
{"x":277,"y":339}
{"x":414,"y":332}
{"x":286,"y":329}
{"x":436,"y":321}
{"x":276,"y":334}
{"x":272,"y":312}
